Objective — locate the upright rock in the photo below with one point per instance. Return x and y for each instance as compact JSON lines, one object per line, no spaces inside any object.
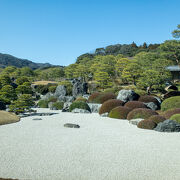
{"x":79,"y":88}
{"x":127,"y":95}
{"x":60,"y":91}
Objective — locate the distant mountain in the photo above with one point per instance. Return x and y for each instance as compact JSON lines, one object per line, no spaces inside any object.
{"x":9,"y":60}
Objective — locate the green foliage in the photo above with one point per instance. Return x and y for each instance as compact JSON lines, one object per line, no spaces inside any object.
{"x":22,"y":80}
{"x":175,"y":117}
{"x":52,"y":99}
{"x":107,"y":106}
{"x":120,"y":112}
{"x":81,"y":99}
{"x":68,"y":86}
{"x":141,"y":113}
{"x":42,"y":89}
{"x":146,"y":124}
{"x":176,"y":32}
{"x":24,"y":89}
{"x":79,"y":105}
{"x":7,"y":94}
{"x":22,"y":104}
{"x":169,"y":103}
{"x":4,"y":80}
{"x":43,"y":104}
{"x":58,"y":105}
{"x":52,"y":89}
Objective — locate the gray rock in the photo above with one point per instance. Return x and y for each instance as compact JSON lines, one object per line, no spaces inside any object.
{"x":69,"y":125}
{"x":127,"y":95}
{"x":79,"y":88}
{"x":67,"y":104}
{"x":94,"y":107}
{"x":168,"y":126}
{"x":66,"y":98}
{"x":76,"y":110}
{"x":152,"y":106}
{"x":50,"y":104}
{"x":135,"y":121}
{"x":86,"y":96}
{"x":159,"y":100}
{"x":47,"y":96}
{"x":60,"y":91}
{"x":104,"y":114}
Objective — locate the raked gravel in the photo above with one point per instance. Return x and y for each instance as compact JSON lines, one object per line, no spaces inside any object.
{"x":101,"y":149}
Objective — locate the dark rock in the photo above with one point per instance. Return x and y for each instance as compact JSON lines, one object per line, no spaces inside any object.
{"x":69,"y":125}
{"x":168,"y":126}
{"x":171,"y":87}
{"x":37,"y":119}
{"x":171,"y":94}
{"x":14,"y":85}
{"x":127,"y":95}
{"x":79,"y":88}
{"x":60,"y":91}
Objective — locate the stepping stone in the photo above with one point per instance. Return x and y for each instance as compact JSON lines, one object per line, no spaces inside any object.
{"x":69,"y":125}
{"x":37,"y":119}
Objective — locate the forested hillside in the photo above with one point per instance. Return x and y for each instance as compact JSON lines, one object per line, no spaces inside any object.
{"x":8,"y":60}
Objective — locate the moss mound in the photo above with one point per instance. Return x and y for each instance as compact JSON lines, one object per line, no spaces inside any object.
{"x":141,"y":113}
{"x":157,"y":118}
{"x":43,"y":104}
{"x":81,"y":99}
{"x":135,"y":104}
{"x":7,"y":118}
{"x":58,"y":105}
{"x":79,"y":105}
{"x":109,"y":105}
{"x":146,"y":124}
{"x":171,"y":112}
{"x":100,"y":98}
{"x":175,"y":117}
{"x":147,"y":99}
{"x":119,"y":112}
{"x":169,"y":103}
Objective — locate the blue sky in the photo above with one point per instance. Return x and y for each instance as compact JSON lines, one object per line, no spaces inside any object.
{"x":58,"y":31}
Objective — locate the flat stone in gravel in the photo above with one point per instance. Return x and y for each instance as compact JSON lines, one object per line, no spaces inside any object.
{"x":69,"y":125}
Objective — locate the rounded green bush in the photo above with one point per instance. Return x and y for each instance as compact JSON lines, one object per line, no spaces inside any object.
{"x":175,"y":117}
{"x":141,"y":113}
{"x":58,"y":105}
{"x":119,"y":112}
{"x":146,"y":124}
{"x":43,"y":104}
{"x":169,"y":103}
{"x":156,"y":118}
{"x":79,"y":105}
{"x":109,"y":105}
{"x":100,"y":98}
{"x":167,"y":114}
{"x":135,"y":104}
{"x":52,"y":99}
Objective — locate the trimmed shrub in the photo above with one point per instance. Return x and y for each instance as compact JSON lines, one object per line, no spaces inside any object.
{"x":7,"y":118}
{"x":109,"y":105}
{"x":135,"y":104}
{"x":146,"y":124}
{"x":171,"y":112}
{"x":42,"y":89}
{"x":119,"y":112}
{"x":52,"y":88}
{"x":175,"y":117}
{"x":58,"y":105}
{"x":100,"y":98}
{"x":157,"y":118}
{"x":79,"y":105}
{"x":81,"y":99}
{"x":147,"y":99}
{"x":52,"y":99}
{"x":141,"y":113}
{"x":172,"y":102}
{"x":43,"y":104}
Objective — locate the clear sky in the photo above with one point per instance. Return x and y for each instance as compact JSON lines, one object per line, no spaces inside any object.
{"x":58,"y":31}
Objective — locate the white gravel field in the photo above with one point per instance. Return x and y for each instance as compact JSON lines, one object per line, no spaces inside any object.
{"x":101,"y":149}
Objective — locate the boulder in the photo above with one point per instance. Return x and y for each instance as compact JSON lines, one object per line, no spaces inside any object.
{"x":104,"y":114}
{"x":47,"y":96}
{"x":77,"y":110}
{"x":152,"y":106}
{"x":171,"y":94}
{"x":79,"y":88}
{"x":94,"y":107}
{"x":60,"y":91}
{"x":127,"y":95}
{"x":66,"y":98}
{"x":37,"y":119}
{"x":7,"y":118}
{"x":69,"y":125}
{"x":135,"y":121}
{"x":168,"y":126}
{"x":50,"y":104}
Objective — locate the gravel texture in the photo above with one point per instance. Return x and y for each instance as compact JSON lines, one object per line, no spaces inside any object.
{"x":103,"y":149}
